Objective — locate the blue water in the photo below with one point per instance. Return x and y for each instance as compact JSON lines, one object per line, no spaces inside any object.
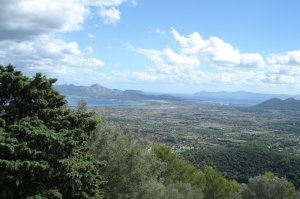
{"x":73,"y":101}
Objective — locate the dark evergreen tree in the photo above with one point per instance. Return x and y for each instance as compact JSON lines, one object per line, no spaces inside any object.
{"x":43,"y":144}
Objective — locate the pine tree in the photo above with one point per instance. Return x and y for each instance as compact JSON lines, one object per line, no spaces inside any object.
{"x":43,"y":144}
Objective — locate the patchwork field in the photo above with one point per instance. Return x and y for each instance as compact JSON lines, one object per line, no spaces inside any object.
{"x":192,"y":125}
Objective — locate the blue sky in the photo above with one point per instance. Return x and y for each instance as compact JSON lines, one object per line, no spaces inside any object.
{"x":157,"y":46}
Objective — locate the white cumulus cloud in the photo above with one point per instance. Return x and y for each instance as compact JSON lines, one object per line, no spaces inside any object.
{"x":250,"y":60}
{"x":170,"y":66}
{"x":110,"y":15}
{"x":22,"y":19}
{"x":108,"y":10}
{"x":214,"y":61}
{"x":215,"y":51}
{"x":46,"y":54}
{"x":291,"y":58}
{"x":187,"y":64}
{"x":30,"y":29}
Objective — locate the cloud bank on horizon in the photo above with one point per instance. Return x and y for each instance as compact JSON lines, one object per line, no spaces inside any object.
{"x":34,"y":37}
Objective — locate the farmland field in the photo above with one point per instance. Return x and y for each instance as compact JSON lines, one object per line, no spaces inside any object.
{"x":190,"y":125}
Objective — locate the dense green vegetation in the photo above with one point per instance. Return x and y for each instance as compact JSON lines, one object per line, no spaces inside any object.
{"x":268,"y":186}
{"x":132,"y":170}
{"x":50,"y":151}
{"x":138,"y":170}
{"x":243,"y":162}
{"x":209,"y":181}
{"x":43,"y":144}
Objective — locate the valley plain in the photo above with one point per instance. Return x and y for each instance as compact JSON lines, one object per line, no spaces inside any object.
{"x":239,"y":141}
{"x":192,"y":125}
{"x":227,"y":131}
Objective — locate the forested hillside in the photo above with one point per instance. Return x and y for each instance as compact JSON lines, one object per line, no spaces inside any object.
{"x":50,"y":151}
{"x":242,"y":162}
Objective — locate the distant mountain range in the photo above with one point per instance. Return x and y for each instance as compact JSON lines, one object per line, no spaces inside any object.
{"x":239,"y":97}
{"x":289,"y":104}
{"x":98,"y":91}
{"x":279,"y":104}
